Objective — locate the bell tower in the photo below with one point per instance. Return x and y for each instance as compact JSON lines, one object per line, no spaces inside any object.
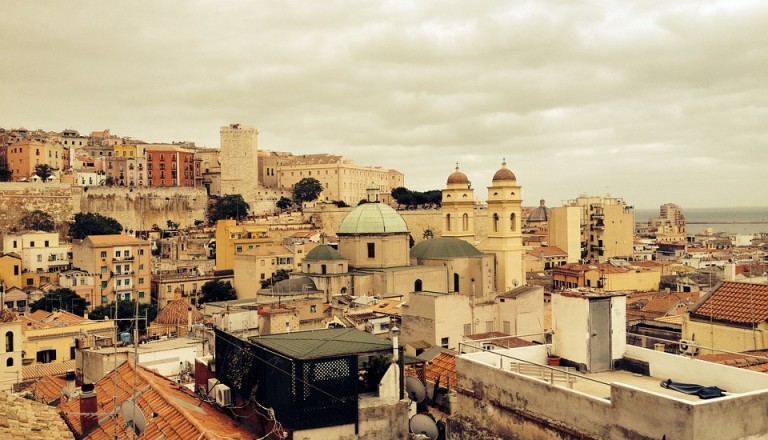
{"x":458,"y":208}
{"x":505,"y":237}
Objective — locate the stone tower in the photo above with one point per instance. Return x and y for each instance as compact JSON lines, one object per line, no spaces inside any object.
{"x":239,"y":161}
{"x":505,"y":237}
{"x":458,"y":208}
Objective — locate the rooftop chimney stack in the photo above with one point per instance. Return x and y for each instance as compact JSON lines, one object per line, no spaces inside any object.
{"x":89,"y":419}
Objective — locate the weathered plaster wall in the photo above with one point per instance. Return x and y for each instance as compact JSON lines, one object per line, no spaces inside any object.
{"x":16,"y":199}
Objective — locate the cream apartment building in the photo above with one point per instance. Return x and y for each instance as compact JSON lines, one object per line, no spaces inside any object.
{"x":607,"y":227}
{"x":40,"y":251}
{"x":121,"y":263}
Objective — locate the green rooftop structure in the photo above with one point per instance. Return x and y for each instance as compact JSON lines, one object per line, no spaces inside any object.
{"x":442,"y":248}
{"x":373,"y":218}
{"x":326,"y":343}
{"x":324,"y":252}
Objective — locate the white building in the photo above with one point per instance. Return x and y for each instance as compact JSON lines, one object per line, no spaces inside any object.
{"x":40,"y":251}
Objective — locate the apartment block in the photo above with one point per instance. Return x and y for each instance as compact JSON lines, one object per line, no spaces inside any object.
{"x":121,"y":262}
{"x":40,"y":251}
{"x":607,"y":227}
{"x":23,"y":156}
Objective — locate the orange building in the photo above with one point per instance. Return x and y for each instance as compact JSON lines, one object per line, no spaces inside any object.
{"x":23,"y":156}
{"x":171,"y":165}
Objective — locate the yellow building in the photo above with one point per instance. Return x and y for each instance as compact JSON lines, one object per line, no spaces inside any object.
{"x":127,"y":167}
{"x":458,"y":208}
{"x":341,"y":178}
{"x":10,"y":270}
{"x":606,"y":276}
{"x":121,"y":262}
{"x":49,"y":337}
{"x":733,"y":317}
{"x":254,"y":266}
{"x":233,"y":238}
{"x":607,"y":227}
{"x":10,"y":350}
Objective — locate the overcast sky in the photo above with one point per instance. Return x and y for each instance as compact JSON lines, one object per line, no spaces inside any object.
{"x":652,"y":101}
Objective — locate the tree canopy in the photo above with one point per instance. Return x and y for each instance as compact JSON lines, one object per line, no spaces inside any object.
{"x":216,"y":290}
{"x":37,"y":220}
{"x":87,"y":223}
{"x":278,"y":276}
{"x":307,"y":189}
{"x":62,"y":299}
{"x":230,"y":206}
{"x":415,"y":199}
{"x":125,"y":309}
{"x":284,"y":203}
{"x":44,"y":171}
{"x":5,"y":173}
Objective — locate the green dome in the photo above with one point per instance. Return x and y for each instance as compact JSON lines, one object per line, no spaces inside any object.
{"x":443,"y":247}
{"x":323,"y":252}
{"x":373,"y":218}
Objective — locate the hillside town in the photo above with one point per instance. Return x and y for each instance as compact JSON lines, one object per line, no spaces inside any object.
{"x":166,"y":290}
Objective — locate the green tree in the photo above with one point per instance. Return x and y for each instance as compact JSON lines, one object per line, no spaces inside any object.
{"x":340,"y":203}
{"x":5,"y":173}
{"x":125,"y":309}
{"x":44,"y":171}
{"x":284,"y":203}
{"x":62,"y":299}
{"x":230,"y":206}
{"x":87,"y":223}
{"x":307,"y":189}
{"x":172,"y":224}
{"x":109,"y":181}
{"x":37,"y":220}
{"x":216,"y":290}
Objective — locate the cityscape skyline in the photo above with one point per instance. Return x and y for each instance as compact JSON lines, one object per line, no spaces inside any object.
{"x":651,"y":103}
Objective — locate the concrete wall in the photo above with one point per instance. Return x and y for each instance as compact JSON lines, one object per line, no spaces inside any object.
{"x":16,"y":199}
{"x":571,"y":329}
{"x":724,"y":337}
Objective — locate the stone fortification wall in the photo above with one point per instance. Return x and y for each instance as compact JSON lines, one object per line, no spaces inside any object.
{"x":140,"y":208}
{"x":16,"y":199}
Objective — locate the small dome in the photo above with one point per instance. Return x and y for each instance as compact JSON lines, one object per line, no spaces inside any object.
{"x":323,"y":252}
{"x":457,"y":177}
{"x":373,"y":218}
{"x":373,"y":186}
{"x":540,"y":214}
{"x":504,"y":173}
{"x":175,"y":313}
{"x":443,"y":247}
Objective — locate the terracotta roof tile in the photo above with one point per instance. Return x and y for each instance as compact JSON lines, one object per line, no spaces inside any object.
{"x":22,"y":418}
{"x":172,"y":411}
{"x":736,"y":302}
{"x":43,"y":370}
{"x":444,"y":364}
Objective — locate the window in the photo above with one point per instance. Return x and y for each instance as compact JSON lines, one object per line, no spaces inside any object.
{"x":465,"y":222}
{"x":417,"y":286}
{"x":117,"y":254}
{"x":103,"y":299}
{"x":448,"y":222}
{"x":323,"y":269}
{"x":39,"y":258}
{"x":46,"y":243}
{"x":371,"y":250}
{"x":141,"y":252}
{"x":513,"y":222}
{"x":141,"y":295}
{"x":9,"y":342}
{"x":31,"y":244}
{"x":103,"y":254}
{"x":495,"y":222}
{"x":103,"y":284}
{"x":239,"y":249}
{"x":444,"y":342}
{"x":103,"y":269}
{"x":141,"y":280}
{"x":467,"y":329}
{"x":313,"y":309}
{"x":9,"y":362}
{"x":455,"y":282}
{"x":46,"y":356}
{"x":15,"y":269}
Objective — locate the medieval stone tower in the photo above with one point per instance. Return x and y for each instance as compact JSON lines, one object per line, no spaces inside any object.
{"x":505,"y":237}
{"x":458,"y":208}
{"x":239,"y":161}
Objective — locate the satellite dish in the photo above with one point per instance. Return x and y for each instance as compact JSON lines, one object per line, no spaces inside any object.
{"x":133,"y":416}
{"x":423,"y":424}
{"x":415,"y":389}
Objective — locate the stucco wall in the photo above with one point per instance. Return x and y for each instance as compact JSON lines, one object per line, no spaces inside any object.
{"x":58,"y":200}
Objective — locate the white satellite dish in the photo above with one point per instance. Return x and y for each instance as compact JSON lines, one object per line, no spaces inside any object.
{"x":423,"y":424}
{"x":133,"y":416}
{"x":415,"y":389}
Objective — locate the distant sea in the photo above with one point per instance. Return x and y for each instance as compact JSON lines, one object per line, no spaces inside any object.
{"x":731,"y":220}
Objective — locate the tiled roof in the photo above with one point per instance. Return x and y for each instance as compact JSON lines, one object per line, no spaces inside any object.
{"x":746,"y":360}
{"x":114,"y":240}
{"x":172,"y":411}
{"x":42,"y":370}
{"x":548,"y":251}
{"x":735,"y":302}
{"x":47,"y":389}
{"x":444,"y":364}
{"x":26,"y":419}
{"x":176,"y":313}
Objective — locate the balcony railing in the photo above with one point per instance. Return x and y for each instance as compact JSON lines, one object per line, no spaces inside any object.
{"x":597,"y":248}
{"x":126,"y":258}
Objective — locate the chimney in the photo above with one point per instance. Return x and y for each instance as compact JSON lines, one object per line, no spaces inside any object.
{"x":395,"y":344}
{"x":88,"y":409}
{"x":189,"y":319}
{"x":70,"y":378}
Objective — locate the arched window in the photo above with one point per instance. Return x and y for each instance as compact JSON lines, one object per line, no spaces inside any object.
{"x":343,"y":290}
{"x":323,"y":269}
{"x":9,"y":342}
{"x":465,"y":222}
{"x":495,"y":222}
{"x":513,"y":221}
{"x":9,"y":362}
{"x":417,"y":286}
{"x":455,"y":282}
{"x":448,"y":222}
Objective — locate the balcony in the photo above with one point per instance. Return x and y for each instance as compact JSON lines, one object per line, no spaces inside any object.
{"x":598,"y":216}
{"x":599,"y":226}
{"x":125,"y":258}
{"x":597,"y":248}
